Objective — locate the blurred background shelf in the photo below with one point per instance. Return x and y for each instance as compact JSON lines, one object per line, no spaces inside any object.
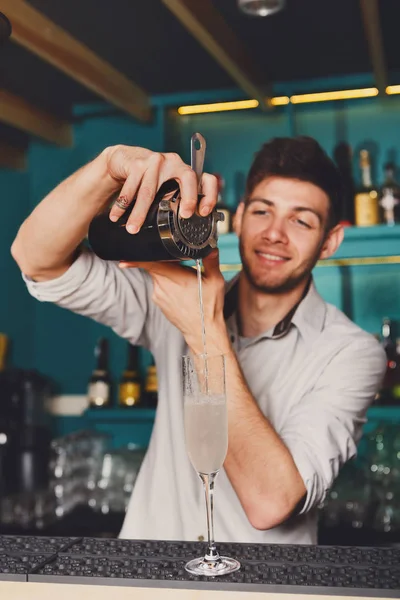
{"x":360,"y":244}
{"x":110,"y":415}
{"x":384,"y":413}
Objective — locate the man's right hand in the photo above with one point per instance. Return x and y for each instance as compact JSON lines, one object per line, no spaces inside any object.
{"x":141,"y":173}
{"x":47,"y":241}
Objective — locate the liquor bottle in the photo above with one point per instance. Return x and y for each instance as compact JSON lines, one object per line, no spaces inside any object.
{"x":99,"y":389}
{"x":224,"y":226}
{"x":130,"y":385}
{"x":3,"y":350}
{"x":343,"y":158}
{"x":390,"y":196}
{"x":366,"y":199}
{"x":151,"y":386}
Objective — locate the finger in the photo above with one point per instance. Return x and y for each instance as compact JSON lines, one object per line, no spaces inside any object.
{"x":171,"y":270}
{"x":124,"y":264}
{"x":188,"y":184}
{"x":209,"y":187}
{"x":145,"y":194}
{"x":175,"y":168}
{"x":211,"y":264}
{"x":126,"y":196}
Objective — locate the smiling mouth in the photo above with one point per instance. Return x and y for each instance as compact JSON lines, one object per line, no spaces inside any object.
{"x":272,"y":257}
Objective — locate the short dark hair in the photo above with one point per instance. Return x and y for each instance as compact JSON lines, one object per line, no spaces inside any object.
{"x":299,"y":158}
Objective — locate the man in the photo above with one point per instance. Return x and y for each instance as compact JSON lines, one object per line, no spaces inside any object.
{"x":300,"y":375}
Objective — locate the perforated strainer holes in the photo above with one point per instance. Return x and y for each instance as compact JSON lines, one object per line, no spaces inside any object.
{"x":196,"y":230}
{"x":185,"y":250}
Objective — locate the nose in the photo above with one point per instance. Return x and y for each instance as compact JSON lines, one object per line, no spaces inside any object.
{"x":275,"y":231}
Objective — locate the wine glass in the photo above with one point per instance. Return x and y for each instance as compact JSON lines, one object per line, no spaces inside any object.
{"x":206,"y":435}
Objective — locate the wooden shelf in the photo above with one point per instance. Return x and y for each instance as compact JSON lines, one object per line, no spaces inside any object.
{"x":387,"y":413}
{"x":119,"y":414}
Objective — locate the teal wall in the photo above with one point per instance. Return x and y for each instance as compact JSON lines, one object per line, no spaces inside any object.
{"x":16,"y":307}
{"x":61,"y":344}
{"x":234,"y":137}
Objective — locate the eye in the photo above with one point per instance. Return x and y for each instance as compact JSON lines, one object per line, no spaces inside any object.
{"x":303,"y":224}
{"x":260,"y":212}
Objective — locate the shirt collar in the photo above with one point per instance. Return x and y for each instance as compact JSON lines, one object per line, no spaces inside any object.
{"x":308,"y":315}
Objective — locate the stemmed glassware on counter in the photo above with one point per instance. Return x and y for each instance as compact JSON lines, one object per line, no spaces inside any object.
{"x":206,"y":436}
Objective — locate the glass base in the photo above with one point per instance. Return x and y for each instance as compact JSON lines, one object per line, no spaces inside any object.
{"x":222,"y":566}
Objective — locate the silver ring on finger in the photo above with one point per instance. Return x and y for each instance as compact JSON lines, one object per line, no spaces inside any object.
{"x":122,"y":202}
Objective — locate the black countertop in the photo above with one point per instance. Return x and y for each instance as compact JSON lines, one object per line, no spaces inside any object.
{"x":327,"y":570}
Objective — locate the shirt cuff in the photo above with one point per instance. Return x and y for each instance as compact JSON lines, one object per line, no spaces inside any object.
{"x":313,"y":482}
{"x":58,"y":288}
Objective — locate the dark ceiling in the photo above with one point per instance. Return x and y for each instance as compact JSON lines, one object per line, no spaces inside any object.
{"x":146,"y":42}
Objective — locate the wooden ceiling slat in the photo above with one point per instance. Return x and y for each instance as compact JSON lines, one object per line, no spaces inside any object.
{"x":21,"y":114}
{"x":12,"y":157}
{"x":373,"y":32}
{"x":207,"y":25}
{"x":37,"y":33}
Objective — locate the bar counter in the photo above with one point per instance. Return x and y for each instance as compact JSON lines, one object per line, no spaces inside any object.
{"x":47,"y":567}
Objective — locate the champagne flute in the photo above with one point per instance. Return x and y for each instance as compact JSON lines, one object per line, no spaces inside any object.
{"x":206,"y":436}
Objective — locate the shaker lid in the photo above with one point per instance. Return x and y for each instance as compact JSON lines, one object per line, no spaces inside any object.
{"x":196,"y":236}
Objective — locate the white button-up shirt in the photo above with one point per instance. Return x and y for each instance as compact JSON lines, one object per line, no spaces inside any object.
{"x":313,"y":384}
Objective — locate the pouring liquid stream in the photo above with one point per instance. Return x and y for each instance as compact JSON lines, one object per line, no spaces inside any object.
{"x":203,"y":329}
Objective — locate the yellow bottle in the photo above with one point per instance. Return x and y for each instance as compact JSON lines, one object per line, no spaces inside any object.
{"x":130,"y":385}
{"x":366,"y":202}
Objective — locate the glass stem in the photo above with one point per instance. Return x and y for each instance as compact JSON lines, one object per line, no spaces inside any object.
{"x":208,"y":483}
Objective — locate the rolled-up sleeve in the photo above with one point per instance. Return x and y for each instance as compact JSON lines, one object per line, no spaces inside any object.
{"x":118,"y":298}
{"x":322,"y":430}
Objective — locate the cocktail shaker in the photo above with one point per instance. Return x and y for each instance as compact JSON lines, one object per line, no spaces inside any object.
{"x":164,"y":235}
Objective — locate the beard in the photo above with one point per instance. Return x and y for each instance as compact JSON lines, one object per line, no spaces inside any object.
{"x":292,"y":280}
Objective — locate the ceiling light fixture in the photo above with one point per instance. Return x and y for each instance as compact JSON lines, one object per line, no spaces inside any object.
{"x":393,"y":89}
{"x":261,"y":8}
{"x":284,"y":100}
{"x":279,"y":100}
{"x":217,"y":107}
{"x":338,"y":95}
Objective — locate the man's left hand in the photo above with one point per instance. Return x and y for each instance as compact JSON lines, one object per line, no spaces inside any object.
{"x":176,"y":292}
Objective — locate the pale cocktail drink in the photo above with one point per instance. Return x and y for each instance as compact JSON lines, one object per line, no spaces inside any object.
{"x":206,"y":432}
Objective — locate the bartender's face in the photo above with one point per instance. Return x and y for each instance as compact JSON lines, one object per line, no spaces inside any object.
{"x":282,"y":230}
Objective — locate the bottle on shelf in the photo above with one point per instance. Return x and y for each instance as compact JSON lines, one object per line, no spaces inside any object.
{"x":151,"y":386}
{"x":99,"y":388}
{"x":129,"y":392}
{"x":224,"y":226}
{"x":366,"y":205}
{"x":390,"y":196}
{"x":343,"y":158}
{"x":3,"y":350}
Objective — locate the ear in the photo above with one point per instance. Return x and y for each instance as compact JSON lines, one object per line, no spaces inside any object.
{"x":237,"y":221}
{"x":332,"y":241}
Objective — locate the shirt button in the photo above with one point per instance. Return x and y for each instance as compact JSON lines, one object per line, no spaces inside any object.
{"x":201,"y":538}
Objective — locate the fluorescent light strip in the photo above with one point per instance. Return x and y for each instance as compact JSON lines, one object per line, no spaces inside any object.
{"x":217,"y":107}
{"x":340,"y":95}
{"x":393,"y":89}
{"x":284,"y":100}
{"x":279,"y":100}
